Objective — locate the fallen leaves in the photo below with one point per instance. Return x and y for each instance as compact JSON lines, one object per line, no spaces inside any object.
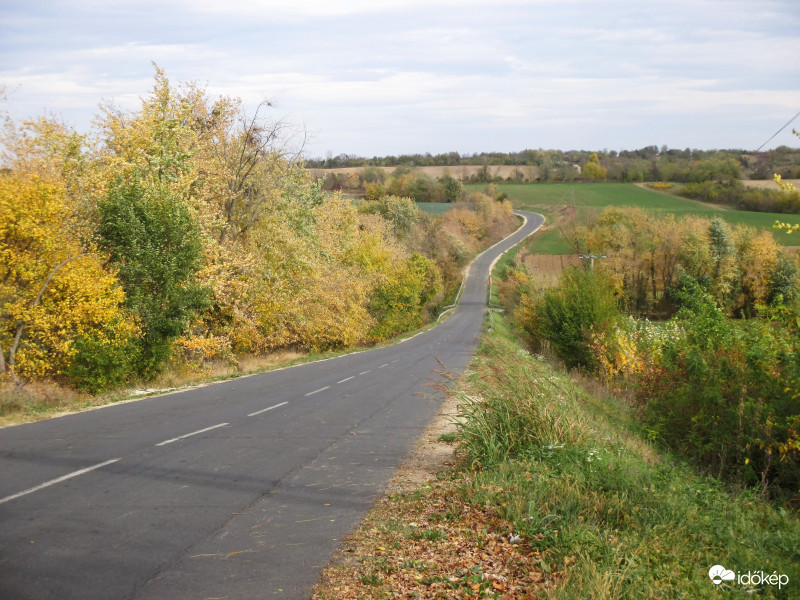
{"x":429,"y":544}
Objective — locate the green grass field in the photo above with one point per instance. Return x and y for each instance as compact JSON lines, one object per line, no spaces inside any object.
{"x":589,"y":198}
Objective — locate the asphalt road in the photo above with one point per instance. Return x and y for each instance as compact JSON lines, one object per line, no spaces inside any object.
{"x":238,"y":490}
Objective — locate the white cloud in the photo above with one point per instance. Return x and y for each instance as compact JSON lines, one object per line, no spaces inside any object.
{"x":385,"y":76}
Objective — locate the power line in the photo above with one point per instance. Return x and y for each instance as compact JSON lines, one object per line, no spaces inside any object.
{"x":777,"y":132}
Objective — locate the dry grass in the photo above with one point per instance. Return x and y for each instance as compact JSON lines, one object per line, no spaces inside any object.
{"x":44,"y":400}
{"x":769,"y":184}
{"x":35,"y":401}
{"x":220,"y":369}
{"x":545,"y":269}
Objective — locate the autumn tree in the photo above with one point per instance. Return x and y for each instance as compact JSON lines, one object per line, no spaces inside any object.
{"x":453,"y":189}
{"x":402,"y":213}
{"x":593,"y":170}
{"x":54,"y":289}
{"x":398,"y":301}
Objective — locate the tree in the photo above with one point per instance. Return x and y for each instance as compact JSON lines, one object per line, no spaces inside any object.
{"x":593,"y":170}
{"x":154,"y":244}
{"x":53,"y":287}
{"x":453,"y":190}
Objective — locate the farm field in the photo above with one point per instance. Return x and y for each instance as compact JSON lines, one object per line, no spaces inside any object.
{"x":460,"y":172}
{"x":435,"y":208}
{"x":546,"y":268}
{"x":589,"y":198}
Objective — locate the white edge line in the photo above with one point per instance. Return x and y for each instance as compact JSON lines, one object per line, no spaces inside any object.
{"x":180,"y":437}
{"x":57,"y":480}
{"x":263,"y":410}
{"x":347,"y":379}
{"x":322,"y":389}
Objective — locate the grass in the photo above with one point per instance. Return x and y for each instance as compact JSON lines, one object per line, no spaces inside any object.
{"x":590,"y":198}
{"x":435,"y":208}
{"x":498,"y":269}
{"x":572,"y":473}
{"x":559,"y":495}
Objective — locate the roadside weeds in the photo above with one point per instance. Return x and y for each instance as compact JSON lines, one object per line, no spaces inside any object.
{"x":556,"y":493}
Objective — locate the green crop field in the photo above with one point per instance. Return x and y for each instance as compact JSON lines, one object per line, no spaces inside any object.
{"x":435,"y":208}
{"x":589,"y":198}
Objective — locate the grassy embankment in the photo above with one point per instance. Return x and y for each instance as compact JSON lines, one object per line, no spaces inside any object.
{"x":599,"y":512}
{"x":591,"y":198}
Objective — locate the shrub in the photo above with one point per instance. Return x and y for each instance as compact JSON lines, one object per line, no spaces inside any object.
{"x":566,"y":316}
{"x":101,"y":362}
{"x":725,"y":394}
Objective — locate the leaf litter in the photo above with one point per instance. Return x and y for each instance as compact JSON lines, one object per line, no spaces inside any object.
{"x":427,"y":540}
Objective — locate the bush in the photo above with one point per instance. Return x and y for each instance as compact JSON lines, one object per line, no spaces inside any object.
{"x":725,"y":394}
{"x":101,"y":363}
{"x":566,"y":316}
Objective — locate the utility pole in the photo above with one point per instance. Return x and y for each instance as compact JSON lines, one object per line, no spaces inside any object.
{"x":591,"y":258}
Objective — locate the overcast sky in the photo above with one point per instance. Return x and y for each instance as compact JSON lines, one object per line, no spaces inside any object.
{"x":377,"y":77}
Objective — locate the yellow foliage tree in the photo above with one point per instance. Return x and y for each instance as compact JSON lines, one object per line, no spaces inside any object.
{"x":54,"y":290}
{"x":758,"y":255}
{"x":594,"y":170}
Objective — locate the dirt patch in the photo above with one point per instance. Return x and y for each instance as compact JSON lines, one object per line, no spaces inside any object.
{"x":545,"y":269}
{"x":430,"y":454}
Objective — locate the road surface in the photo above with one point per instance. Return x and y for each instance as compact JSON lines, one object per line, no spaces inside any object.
{"x":238,"y":490}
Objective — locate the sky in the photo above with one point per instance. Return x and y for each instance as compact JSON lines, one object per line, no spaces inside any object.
{"x":382,"y":77}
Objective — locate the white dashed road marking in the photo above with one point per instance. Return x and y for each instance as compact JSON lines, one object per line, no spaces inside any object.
{"x":180,"y":437}
{"x":263,"y":410}
{"x":57,"y":480}
{"x":322,"y":389}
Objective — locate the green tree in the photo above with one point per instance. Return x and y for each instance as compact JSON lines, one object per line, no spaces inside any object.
{"x":566,"y":316}
{"x":155,"y":246}
{"x":453,"y":190}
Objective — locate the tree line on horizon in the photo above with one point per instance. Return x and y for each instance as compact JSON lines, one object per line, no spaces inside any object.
{"x":651,"y":163}
{"x":714,"y":178}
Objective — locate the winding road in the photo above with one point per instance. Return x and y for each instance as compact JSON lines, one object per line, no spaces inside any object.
{"x":238,"y":490}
